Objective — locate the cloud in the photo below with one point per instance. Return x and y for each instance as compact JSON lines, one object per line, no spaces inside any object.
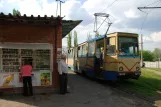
{"x":156,"y":36}
{"x":123,"y":13}
{"x":74,"y":11}
{"x":131,"y":14}
{"x":1,"y":3}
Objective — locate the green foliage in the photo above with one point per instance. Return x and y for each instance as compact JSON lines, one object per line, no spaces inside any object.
{"x":75,"y":39}
{"x":156,"y":69}
{"x":15,"y":12}
{"x":89,"y":37}
{"x":147,"y":55}
{"x":147,"y":85}
{"x":70,"y":40}
{"x":156,"y":54}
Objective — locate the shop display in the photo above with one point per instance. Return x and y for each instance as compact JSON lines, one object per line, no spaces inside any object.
{"x":45,"y":79}
{"x":42,"y":60}
{"x":10,"y":60}
{"x":7,"y":80}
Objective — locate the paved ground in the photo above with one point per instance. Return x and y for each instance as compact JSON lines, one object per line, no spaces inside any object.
{"x":84,"y":93}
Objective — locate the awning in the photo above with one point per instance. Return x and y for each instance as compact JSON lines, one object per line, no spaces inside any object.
{"x":69,"y":25}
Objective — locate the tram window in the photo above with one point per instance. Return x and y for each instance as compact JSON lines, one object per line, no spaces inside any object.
{"x":111,"y":47}
{"x":91,"y":48}
{"x":79,"y":51}
{"x":84,"y":50}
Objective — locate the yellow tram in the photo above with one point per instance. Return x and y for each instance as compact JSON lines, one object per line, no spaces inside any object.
{"x":108,"y":57}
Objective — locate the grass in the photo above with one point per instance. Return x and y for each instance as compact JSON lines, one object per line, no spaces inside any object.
{"x":148,"y":84}
{"x":156,"y":69}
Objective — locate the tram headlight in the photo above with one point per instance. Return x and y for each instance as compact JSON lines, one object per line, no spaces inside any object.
{"x":137,"y":68}
{"x":121,"y":68}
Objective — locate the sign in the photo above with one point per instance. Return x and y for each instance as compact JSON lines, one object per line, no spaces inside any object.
{"x":7,"y":80}
{"x":45,"y":79}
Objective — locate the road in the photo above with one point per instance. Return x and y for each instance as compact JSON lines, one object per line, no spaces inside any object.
{"x":83,"y":93}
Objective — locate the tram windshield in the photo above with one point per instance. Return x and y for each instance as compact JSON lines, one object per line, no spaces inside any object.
{"x":128,"y":46}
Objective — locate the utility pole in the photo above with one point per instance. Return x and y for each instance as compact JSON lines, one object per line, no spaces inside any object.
{"x":60,"y":5}
{"x":141,"y":50}
{"x":159,"y":63}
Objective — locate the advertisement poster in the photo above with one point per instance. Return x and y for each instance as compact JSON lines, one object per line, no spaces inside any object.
{"x":7,"y":80}
{"x":45,"y":79}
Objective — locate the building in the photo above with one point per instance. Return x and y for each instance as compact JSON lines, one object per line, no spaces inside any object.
{"x":38,"y":39}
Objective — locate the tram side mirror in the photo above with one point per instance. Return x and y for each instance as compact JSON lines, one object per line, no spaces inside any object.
{"x":78,"y":48}
{"x":69,"y":51}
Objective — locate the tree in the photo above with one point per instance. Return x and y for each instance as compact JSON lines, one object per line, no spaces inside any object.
{"x":75,"y":39}
{"x":69,"y":40}
{"x":15,"y":12}
{"x":156,"y":54}
{"x":147,"y":55}
{"x":89,"y":37}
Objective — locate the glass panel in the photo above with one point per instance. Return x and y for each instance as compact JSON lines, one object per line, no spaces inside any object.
{"x":79,"y":51}
{"x":84,"y":50}
{"x":91,"y":49}
{"x":10,"y":60}
{"x":128,"y":46}
{"x":99,"y":48}
{"x":111,"y":47}
{"x":42,"y":60}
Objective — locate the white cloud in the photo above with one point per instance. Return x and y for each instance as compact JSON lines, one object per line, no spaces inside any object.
{"x":1,"y":3}
{"x":131,"y":14}
{"x":127,"y":18}
{"x":156,"y":36}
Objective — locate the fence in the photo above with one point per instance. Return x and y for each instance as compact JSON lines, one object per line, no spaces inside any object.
{"x":156,"y":64}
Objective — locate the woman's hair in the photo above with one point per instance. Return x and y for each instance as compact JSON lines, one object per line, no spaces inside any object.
{"x":26,"y":62}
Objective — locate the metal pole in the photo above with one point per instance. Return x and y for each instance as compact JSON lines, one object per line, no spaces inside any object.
{"x":159,"y":63}
{"x":141,"y":50}
{"x":108,"y":28}
{"x":60,"y":8}
{"x":149,"y":7}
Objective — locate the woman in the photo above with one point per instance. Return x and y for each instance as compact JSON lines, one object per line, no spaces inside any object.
{"x":26,"y":71}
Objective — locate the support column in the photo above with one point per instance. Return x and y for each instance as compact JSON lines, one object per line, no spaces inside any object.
{"x":56,"y":44}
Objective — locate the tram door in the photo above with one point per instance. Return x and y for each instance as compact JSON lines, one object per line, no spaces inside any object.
{"x":99,"y":57}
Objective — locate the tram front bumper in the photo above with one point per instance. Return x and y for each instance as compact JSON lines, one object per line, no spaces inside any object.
{"x":128,"y":75}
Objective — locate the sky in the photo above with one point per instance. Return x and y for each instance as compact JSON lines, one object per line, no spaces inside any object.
{"x":124,"y":15}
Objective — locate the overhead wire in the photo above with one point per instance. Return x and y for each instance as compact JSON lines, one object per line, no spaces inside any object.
{"x":102,"y":11}
{"x":109,"y":6}
{"x":147,"y":13}
{"x":101,"y":23}
{"x":153,"y":3}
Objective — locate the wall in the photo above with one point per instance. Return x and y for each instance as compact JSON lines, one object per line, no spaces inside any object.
{"x":36,"y":34}
{"x":153,"y":64}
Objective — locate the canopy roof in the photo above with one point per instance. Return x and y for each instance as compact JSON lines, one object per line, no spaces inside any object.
{"x":67,"y":25}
